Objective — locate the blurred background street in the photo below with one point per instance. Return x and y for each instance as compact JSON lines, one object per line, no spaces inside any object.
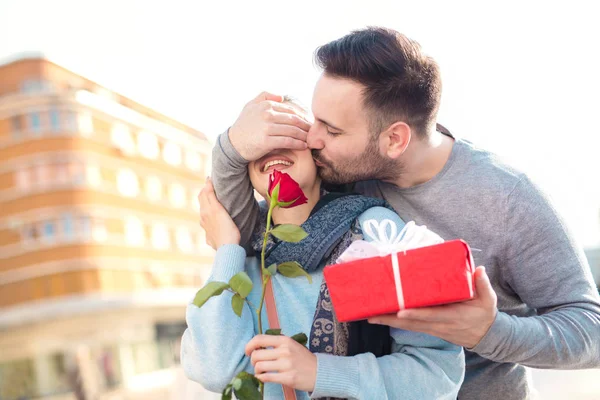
{"x":108,"y":114}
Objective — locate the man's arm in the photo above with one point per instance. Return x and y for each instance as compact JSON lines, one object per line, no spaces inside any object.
{"x":549,"y":272}
{"x":545,"y":268}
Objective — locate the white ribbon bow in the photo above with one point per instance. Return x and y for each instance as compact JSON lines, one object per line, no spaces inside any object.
{"x":412,"y":236}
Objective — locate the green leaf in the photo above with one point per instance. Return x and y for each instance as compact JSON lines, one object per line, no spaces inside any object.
{"x":300,"y":338}
{"x":266,"y":272}
{"x":237,"y":303}
{"x":274,"y":332}
{"x":208,"y":291}
{"x":292,"y":269}
{"x":284,"y":204}
{"x":237,"y":383}
{"x":241,"y":283}
{"x":227,"y":392}
{"x":272,"y":269}
{"x":289,"y":233}
{"x":245,"y":387}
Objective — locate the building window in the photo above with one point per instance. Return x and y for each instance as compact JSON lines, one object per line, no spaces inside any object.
{"x":194,"y":200}
{"x":153,"y":188}
{"x":177,"y":195}
{"x":93,"y":175}
{"x":54,"y":120}
{"x":22,"y":179}
{"x":148,"y":145}
{"x":16,"y":126}
{"x":49,"y":231}
{"x":207,"y":166}
{"x":172,"y":153}
{"x":33,"y":86}
{"x":145,"y":357}
{"x":85,"y":227}
{"x":184,"y":239}
{"x":86,"y":123}
{"x":76,"y":173}
{"x":121,"y":138}
{"x":99,"y":231}
{"x":201,"y":244}
{"x":68,"y":232}
{"x":41,"y":176}
{"x":193,"y":160}
{"x":134,"y":231}
{"x":29,"y":233}
{"x":35,"y":123}
{"x":160,"y":237}
{"x":127,"y":183}
{"x":70,"y":121}
{"x":61,"y":174}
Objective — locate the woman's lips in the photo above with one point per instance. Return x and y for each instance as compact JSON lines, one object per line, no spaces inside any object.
{"x":278,"y":167}
{"x":275,"y":162}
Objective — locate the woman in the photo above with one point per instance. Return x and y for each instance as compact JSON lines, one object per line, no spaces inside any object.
{"x":356,"y":360}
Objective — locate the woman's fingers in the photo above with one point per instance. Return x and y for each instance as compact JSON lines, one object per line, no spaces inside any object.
{"x":263,"y":355}
{"x":263,"y":342}
{"x":271,"y":366}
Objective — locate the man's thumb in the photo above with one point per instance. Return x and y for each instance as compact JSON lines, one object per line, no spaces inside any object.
{"x":267,"y":96}
{"x":483,"y":286}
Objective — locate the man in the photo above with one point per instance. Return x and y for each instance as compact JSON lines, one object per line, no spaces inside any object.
{"x":375,"y":109}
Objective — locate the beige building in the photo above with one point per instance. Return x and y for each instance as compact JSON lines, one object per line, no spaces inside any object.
{"x":100,"y":248}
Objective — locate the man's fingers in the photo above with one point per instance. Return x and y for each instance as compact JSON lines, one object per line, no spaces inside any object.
{"x":409,"y":325}
{"x":282,"y":118}
{"x":284,"y":108}
{"x":287,"y":110}
{"x":267,"y":96}
{"x":283,"y":142}
{"x":291,"y":119}
{"x":483,"y":286}
{"x":288,"y":131}
{"x":428,"y":314}
{"x":389,"y":319}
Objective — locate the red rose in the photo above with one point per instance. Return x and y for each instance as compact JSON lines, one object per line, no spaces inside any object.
{"x":287,"y":191}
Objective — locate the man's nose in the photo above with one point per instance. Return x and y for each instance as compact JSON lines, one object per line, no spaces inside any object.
{"x":313,"y":138}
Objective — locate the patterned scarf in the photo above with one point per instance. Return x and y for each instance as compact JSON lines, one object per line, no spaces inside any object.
{"x":332,"y":226}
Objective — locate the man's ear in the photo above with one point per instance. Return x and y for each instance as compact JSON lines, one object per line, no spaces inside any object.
{"x":396,"y":139}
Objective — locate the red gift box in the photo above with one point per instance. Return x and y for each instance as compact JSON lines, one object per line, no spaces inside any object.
{"x":428,"y":276}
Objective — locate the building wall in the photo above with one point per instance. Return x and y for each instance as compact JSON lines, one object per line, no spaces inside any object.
{"x":97,"y":192}
{"x":100,"y":245}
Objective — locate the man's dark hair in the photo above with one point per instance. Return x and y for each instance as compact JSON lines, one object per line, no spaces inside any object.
{"x":400,"y":82}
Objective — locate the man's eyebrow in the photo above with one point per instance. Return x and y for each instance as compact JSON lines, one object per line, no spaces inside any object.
{"x":329,"y":125}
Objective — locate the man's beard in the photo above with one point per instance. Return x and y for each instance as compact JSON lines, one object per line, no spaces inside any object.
{"x":368,"y":165}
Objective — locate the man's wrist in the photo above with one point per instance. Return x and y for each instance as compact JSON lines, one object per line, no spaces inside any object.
{"x":498,"y":331}
{"x":230,"y":151}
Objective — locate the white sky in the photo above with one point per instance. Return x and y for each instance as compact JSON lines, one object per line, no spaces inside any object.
{"x":521,"y":78}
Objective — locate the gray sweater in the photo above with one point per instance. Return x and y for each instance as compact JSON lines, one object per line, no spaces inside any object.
{"x":549,"y":308}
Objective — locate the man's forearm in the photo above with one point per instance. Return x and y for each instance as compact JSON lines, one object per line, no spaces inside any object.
{"x":233,"y":187}
{"x":565,"y":338}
